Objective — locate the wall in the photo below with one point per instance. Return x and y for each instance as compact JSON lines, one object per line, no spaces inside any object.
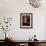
{"x":13,"y":8}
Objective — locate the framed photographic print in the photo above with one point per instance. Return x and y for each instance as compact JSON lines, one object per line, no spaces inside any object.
{"x":26,"y":20}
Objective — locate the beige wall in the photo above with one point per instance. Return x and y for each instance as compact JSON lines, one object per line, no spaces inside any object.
{"x":13,"y":8}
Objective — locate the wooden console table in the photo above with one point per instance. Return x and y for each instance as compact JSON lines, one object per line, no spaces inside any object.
{"x":28,"y":43}
{"x":31,"y":43}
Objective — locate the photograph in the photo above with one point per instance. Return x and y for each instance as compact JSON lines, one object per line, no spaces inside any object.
{"x":26,"y":20}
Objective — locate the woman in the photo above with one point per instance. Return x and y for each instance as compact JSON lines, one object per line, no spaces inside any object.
{"x":26,"y":20}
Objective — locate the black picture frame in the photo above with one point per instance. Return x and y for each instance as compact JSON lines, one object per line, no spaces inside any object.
{"x":26,"y":20}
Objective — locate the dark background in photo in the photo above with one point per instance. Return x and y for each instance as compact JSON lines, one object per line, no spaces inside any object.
{"x":26,"y":20}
